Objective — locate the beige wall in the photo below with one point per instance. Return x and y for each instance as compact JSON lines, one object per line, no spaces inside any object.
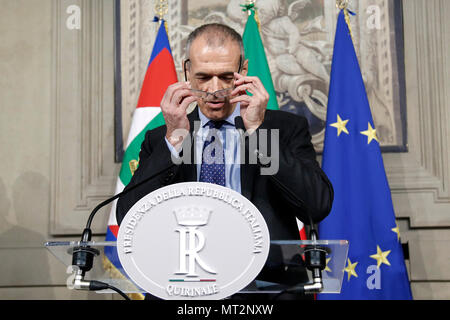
{"x":56,"y":138}
{"x":25,"y":55}
{"x":42,"y":127}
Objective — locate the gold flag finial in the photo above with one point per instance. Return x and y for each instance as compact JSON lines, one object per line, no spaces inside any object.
{"x":249,"y":4}
{"x":248,"y":7}
{"x":161,"y":9}
{"x":343,"y":5}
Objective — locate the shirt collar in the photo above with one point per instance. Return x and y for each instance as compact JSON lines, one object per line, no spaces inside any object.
{"x":230,"y":120}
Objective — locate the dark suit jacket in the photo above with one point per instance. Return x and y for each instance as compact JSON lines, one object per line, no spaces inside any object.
{"x":298,"y":188}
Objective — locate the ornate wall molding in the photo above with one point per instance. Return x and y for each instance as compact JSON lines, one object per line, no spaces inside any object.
{"x":138,"y":34}
{"x":83,"y":169}
{"x":420,"y":178}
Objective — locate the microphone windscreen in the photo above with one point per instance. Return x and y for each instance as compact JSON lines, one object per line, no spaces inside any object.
{"x":239,"y":123}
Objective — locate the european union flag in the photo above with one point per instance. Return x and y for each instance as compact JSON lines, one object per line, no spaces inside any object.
{"x":362,"y":210}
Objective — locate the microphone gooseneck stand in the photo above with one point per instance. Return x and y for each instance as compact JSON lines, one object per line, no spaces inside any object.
{"x":315,"y":256}
{"x":83,"y":255}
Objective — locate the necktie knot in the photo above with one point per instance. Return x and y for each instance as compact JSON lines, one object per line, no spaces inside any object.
{"x":215,"y":124}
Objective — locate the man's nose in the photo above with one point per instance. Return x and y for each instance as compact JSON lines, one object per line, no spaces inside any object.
{"x":215,"y":84}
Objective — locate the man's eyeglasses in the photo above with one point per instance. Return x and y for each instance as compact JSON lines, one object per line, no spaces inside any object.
{"x":211,"y":96}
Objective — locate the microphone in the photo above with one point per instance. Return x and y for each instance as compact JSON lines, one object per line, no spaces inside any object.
{"x":315,"y":256}
{"x":83,"y":255}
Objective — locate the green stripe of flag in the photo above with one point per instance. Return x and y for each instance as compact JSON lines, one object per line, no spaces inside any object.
{"x":257,"y":61}
{"x":132,"y":152}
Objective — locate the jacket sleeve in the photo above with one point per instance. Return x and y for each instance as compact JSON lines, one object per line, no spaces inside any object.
{"x":154,"y":157}
{"x":300,"y":180}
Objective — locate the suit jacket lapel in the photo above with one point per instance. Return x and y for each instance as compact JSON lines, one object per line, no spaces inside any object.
{"x":248,"y":172}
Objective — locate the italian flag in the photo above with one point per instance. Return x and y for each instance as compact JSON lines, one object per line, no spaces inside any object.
{"x":160,"y":74}
{"x":258,"y":66}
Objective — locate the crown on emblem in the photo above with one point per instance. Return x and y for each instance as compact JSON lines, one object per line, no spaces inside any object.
{"x":192,"y":215}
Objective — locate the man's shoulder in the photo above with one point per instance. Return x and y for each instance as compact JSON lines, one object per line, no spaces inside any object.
{"x":155,"y":135}
{"x":279,"y":118}
{"x":158,"y":131}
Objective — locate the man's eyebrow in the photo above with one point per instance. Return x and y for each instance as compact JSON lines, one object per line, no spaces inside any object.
{"x":224,"y":74}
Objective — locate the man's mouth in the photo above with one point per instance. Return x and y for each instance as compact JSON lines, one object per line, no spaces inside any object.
{"x":216,"y":104}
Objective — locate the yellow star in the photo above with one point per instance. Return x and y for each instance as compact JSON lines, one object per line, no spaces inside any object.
{"x":350,"y":269}
{"x":340,"y":125}
{"x":397,"y":231}
{"x":381,"y":257}
{"x":371,"y":134}
{"x":327,"y":269}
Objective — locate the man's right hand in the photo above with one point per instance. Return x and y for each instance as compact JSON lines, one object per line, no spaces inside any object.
{"x":174,"y":104}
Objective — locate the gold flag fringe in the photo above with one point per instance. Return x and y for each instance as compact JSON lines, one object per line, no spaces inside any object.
{"x":116,"y":274}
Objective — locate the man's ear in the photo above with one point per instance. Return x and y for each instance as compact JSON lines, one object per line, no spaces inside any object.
{"x":186,"y":65}
{"x":244,"y":69}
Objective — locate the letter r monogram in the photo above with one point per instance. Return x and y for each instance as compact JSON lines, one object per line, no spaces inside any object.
{"x":196,"y":242}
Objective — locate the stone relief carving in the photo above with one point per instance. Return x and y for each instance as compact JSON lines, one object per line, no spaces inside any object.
{"x":298,"y":36}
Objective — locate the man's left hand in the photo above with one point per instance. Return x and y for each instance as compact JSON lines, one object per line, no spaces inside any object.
{"x":253,"y":107}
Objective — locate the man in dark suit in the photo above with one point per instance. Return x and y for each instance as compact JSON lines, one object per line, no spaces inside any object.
{"x":217,"y":80}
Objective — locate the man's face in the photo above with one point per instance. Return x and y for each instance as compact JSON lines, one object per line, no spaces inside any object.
{"x":212,"y":68}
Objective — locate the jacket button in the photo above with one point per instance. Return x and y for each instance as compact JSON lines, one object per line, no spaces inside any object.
{"x":168,"y":177}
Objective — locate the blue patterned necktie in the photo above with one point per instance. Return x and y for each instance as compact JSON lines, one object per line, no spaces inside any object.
{"x":213,"y":168}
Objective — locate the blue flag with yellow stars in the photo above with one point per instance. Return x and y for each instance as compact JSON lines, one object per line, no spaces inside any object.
{"x":362,"y":210}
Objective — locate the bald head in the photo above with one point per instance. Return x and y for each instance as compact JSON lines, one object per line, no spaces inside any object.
{"x":215,"y":35}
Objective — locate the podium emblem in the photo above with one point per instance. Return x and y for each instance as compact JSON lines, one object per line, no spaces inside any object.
{"x":193,"y":240}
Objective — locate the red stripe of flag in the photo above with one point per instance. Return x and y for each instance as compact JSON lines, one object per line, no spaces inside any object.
{"x":160,"y":74}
